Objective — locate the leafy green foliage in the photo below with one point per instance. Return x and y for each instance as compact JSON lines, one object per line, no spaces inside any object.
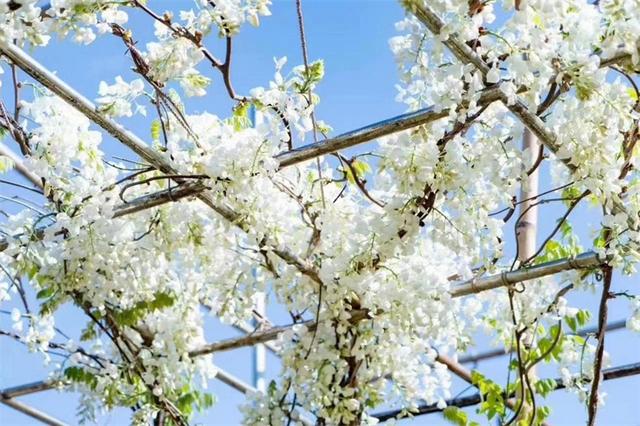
{"x":545,"y":386}
{"x":360,"y":168}
{"x":46,"y":293}
{"x":600,"y":241}
{"x":49,"y":292}
{"x":6,"y":164}
{"x":458,"y":417}
{"x":82,"y":376}
{"x":89,"y":333}
{"x":156,"y":128}
{"x":549,"y":346}
{"x":190,"y":399}
{"x":132,"y":316}
{"x":579,"y":320}
{"x":567,"y":246}
{"x":492,"y":396}
{"x":542,"y":413}
{"x":310,"y":76}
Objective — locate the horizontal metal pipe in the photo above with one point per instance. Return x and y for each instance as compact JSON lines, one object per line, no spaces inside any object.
{"x":494,"y":353}
{"x":467,"y":401}
{"x":582,"y":261}
{"x":374,"y":131}
{"x":247,"y":329}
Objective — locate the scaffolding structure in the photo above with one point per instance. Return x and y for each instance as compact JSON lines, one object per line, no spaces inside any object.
{"x":255,"y":335}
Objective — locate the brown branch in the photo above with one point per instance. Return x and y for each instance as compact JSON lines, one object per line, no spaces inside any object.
{"x":603,"y":312}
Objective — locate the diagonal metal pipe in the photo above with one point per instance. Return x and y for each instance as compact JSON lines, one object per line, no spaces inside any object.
{"x":32,"y":412}
{"x":138,"y":146}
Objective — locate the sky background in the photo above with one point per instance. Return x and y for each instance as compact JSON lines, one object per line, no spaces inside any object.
{"x":359,"y":88}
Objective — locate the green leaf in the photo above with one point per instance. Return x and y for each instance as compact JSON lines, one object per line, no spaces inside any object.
{"x":240,"y":118}
{"x":361,"y":168}
{"x":31,"y":269}
{"x":80,"y":375}
{"x":50,"y":305}
{"x":583,"y":317}
{"x":162,"y":300}
{"x":156,"y":128}
{"x":569,"y":194}
{"x":545,"y":386}
{"x":6,"y":164}
{"x":132,"y":316}
{"x":493,"y":401}
{"x":89,"y":333}
{"x":579,"y":340}
{"x":185,"y":403}
{"x":46,"y":293}
{"x":543,"y":413}
{"x":455,"y":415}
{"x":565,"y":229}
{"x":600,"y":241}
{"x":310,"y":77}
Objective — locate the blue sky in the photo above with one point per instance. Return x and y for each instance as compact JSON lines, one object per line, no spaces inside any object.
{"x":351,"y":36}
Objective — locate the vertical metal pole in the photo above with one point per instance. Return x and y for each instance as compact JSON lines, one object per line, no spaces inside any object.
{"x":259,"y":350}
{"x":528,"y":227}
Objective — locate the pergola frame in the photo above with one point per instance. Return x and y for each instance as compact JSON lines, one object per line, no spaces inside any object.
{"x":363,"y":135}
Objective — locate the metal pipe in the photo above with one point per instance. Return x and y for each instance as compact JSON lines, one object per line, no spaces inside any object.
{"x":137,"y":145}
{"x":582,"y":261}
{"x":19,"y":166}
{"x":27,"y":389}
{"x":466,"y":401}
{"x":494,"y":353}
{"x":32,"y":412}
